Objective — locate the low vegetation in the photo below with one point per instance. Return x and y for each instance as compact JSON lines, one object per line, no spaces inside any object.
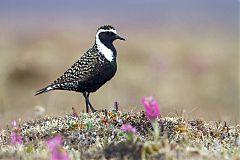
{"x":101,"y":136}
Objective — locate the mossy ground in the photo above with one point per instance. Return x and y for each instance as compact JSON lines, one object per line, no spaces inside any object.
{"x":98,"y":136}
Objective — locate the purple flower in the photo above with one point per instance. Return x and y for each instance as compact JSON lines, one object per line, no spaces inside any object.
{"x":16,"y":138}
{"x":15,"y":135}
{"x":151,"y":107}
{"x":14,"y":123}
{"x":55,"y":148}
{"x":128,"y":128}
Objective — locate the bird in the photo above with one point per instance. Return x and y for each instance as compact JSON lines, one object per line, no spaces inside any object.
{"x":92,"y":70}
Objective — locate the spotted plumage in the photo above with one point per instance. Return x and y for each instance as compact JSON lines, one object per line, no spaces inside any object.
{"x":94,"y":68}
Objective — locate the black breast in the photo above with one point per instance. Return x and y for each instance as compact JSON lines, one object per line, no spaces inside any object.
{"x":99,"y":76}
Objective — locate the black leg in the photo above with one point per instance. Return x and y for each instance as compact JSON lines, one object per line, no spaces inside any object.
{"x":92,"y":109}
{"x":86,"y":101}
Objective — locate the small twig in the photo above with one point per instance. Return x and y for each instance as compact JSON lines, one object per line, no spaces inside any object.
{"x":116,"y":105}
{"x":74,"y":112}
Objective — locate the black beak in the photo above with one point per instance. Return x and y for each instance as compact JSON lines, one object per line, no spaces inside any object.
{"x":118,"y":37}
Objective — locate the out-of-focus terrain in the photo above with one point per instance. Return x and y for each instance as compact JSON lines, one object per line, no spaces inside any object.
{"x":184,"y":54}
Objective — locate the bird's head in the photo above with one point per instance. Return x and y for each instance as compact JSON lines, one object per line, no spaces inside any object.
{"x":107,"y":34}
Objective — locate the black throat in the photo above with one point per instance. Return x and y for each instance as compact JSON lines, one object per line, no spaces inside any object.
{"x":110,"y":46}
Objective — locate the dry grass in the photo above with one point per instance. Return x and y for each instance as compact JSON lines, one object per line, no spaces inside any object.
{"x":98,"y":136}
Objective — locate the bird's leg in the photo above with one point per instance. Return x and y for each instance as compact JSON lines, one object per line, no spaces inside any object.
{"x":92,"y":109}
{"x":86,"y":101}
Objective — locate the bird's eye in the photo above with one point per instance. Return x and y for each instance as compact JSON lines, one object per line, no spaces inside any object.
{"x":109,"y":33}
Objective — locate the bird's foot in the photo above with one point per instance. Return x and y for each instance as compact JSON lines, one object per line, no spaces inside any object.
{"x":93,"y":110}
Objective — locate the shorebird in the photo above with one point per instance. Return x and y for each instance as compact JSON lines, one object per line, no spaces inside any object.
{"x":94,"y":68}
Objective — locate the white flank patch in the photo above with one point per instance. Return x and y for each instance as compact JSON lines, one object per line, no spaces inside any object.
{"x":49,"y":88}
{"x":102,"y":48}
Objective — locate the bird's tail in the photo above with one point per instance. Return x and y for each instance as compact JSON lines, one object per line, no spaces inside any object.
{"x":43,"y":90}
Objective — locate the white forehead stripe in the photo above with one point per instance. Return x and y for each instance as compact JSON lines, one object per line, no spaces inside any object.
{"x":102,"y":48}
{"x":105,"y":30}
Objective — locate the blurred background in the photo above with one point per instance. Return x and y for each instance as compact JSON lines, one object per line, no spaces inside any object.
{"x":184,"y":53}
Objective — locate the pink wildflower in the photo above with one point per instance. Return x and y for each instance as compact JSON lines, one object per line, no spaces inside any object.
{"x":14,"y":123}
{"x":151,"y":107}
{"x":128,"y":128}
{"x":56,"y":150}
{"x":15,"y":136}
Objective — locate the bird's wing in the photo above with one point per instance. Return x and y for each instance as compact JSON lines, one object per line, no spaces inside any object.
{"x":82,"y":70}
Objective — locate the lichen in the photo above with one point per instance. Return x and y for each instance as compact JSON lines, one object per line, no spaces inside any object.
{"x":98,"y":136}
